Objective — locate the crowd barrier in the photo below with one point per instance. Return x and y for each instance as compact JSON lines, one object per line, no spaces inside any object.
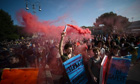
{"x":26,"y":76}
{"x":19,"y":76}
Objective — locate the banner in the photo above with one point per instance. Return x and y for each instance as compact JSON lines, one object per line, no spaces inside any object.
{"x":103,"y":70}
{"x":75,"y":70}
{"x":118,"y":71}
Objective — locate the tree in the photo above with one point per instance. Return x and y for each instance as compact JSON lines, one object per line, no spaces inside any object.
{"x":7,"y":30}
{"x":112,"y":22}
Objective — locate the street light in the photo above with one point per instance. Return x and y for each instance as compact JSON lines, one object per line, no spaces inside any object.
{"x":39,"y":8}
{"x":132,"y":18}
{"x":27,"y":7}
{"x":34,"y":5}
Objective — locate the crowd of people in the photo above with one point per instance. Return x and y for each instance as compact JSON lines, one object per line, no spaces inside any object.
{"x":113,"y":45}
{"x":37,"y":52}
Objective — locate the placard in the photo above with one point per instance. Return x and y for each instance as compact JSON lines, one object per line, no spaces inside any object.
{"x":118,"y":71}
{"x":103,"y":70}
{"x":75,"y":70}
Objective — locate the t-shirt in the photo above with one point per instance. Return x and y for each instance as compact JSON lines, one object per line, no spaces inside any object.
{"x":64,"y":57}
{"x":95,"y":66}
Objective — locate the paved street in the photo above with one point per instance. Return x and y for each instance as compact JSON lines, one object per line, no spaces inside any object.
{"x":134,"y":74}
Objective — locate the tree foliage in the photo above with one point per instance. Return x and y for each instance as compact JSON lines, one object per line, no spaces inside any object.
{"x":8,"y":31}
{"x":112,"y":21}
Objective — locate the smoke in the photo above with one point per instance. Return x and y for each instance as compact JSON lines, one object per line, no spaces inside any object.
{"x":32,"y":25}
{"x":81,"y":31}
{"x":60,"y":20}
{"x":52,"y":37}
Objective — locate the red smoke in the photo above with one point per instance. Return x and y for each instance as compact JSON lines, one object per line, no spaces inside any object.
{"x":32,"y":25}
{"x":80,"y":30}
{"x":52,"y":33}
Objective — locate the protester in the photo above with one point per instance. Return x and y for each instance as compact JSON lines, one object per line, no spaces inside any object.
{"x":100,"y":46}
{"x":94,"y":65}
{"x":115,"y":51}
{"x":68,"y":49}
{"x":36,"y":52}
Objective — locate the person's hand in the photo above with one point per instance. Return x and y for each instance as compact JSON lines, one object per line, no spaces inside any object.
{"x":95,"y":79}
{"x":63,"y":34}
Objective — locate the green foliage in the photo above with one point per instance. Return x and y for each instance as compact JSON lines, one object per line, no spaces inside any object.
{"x":112,"y":21}
{"x":7,"y":30}
{"x":110,"y":14}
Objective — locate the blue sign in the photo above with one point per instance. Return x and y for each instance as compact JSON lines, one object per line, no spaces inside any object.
{"x":128,"y":56}
{"x":75,"y":70}
{"x":118,"y":71}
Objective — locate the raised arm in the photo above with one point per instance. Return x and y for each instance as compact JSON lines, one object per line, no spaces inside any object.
{"x":61,"y":43}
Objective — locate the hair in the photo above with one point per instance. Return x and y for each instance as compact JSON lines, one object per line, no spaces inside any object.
{"x":88,"y":47}
{"x":122,"y":40}
{"x":127,"y":44}
{"x":116,"y":47}
{"x":67,"y":45}
{"x":95,"y":49}
{"x":99,"y":42}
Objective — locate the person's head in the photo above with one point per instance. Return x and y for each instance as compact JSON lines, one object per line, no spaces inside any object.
{"x":34,"y":45}
{"x":127,"y":45}
{"x":89,"y":47}
{"x":100,"y":44}
{"x":132,"y":39}
{"x":14,"y":60}
{"x":115,"y":49}
{"x":104,"y":46}
{"x":138,"y":39}
{"x":96,"y":51}
{"x":113,"y":43}
{"x":122,"y":40}
{"x":84,"y":40}
{"x":68,"y":48}
{"x":81,"y":42}
{"x":11,"y":50}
